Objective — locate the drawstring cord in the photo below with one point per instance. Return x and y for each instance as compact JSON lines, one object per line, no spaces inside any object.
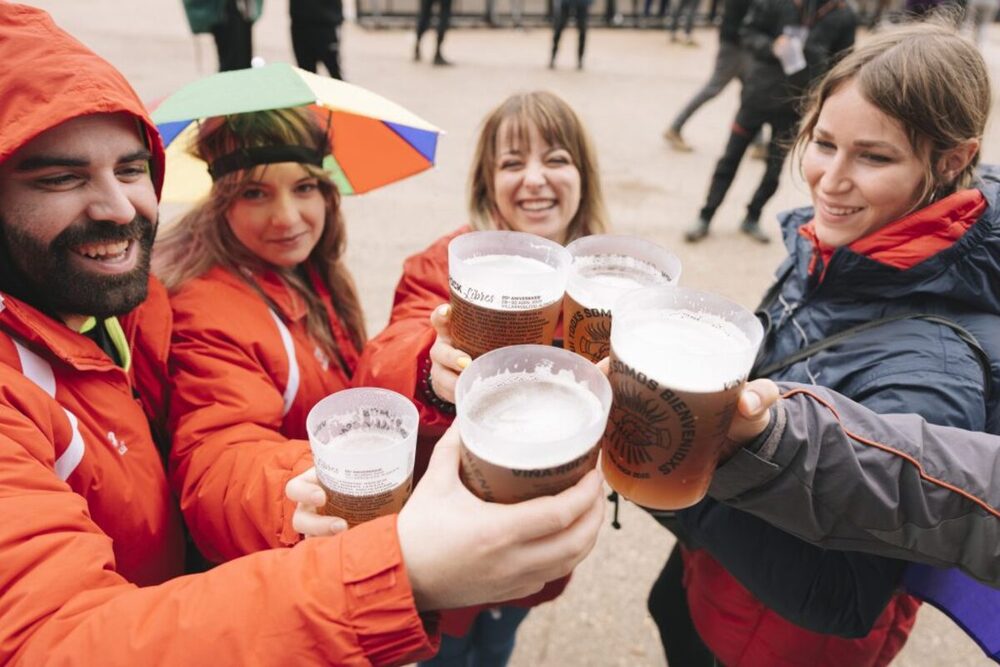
{"x":613,"y":497}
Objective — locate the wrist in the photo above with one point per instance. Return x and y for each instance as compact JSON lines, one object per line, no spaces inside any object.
{"x":427,"y":390}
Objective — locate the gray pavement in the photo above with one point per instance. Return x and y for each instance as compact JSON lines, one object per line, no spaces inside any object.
{"x":633,"y":83}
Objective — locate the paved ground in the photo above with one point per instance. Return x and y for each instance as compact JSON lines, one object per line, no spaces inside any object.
{"x":633,"y":82}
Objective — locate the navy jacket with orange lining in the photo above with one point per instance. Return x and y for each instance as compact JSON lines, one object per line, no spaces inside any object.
{"x":944,"y":260}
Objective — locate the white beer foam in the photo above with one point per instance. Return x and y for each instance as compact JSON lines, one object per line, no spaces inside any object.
{"x":512,"y":264}
{"x":486,"y":279}
{"x":595,"y":281}
{"x":358,"y":440}
{"x":531,"y":418}
{"x":683,"y":349}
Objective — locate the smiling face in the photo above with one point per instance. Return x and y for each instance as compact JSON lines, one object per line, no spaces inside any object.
{"x":862,"y":171}
{"x":536,"y":185}
{"x":77,"y":207}
{"x":280,"y":214}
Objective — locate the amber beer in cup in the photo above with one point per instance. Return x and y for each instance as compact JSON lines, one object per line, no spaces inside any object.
{"x":530,"y":418}
{"x":679,"y":359}
{"x":605,"y":267}
{"x":363,"y":442}
{"x":506,"y":289}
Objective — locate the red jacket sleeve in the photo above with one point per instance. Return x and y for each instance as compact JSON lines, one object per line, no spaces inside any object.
{"x":343,"y":600}
{"x":230,"y":459}
{"x":394,"y":359}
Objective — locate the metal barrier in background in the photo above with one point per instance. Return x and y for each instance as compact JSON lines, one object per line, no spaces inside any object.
{"x":654,"y":14}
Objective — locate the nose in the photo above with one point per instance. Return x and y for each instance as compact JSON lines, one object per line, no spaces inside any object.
{"x":111,"y":202}
{"x":534,"y":173}
{"x":284,"y":212}
{"x":836,"y":178}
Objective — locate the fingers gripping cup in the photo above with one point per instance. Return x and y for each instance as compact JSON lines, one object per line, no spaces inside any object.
{"x":363,"y":444}
{"x":604,"y":268}
{"x":679,"y":359}
{"x":530,"y":419}
{"x":506,"y":289}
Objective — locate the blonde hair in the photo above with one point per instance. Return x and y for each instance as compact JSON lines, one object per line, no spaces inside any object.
{"x":929,"y":79}
{"x":202,"y":239}
{"x":559,"y":126}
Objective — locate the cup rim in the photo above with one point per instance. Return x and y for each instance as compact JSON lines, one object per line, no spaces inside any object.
{"x":595,"y":382}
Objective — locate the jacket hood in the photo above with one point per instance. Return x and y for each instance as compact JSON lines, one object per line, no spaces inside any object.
{"x":48,"y":78}
{"x":967,"y":272}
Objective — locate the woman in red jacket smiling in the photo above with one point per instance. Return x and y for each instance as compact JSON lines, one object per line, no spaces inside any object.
{"x":266,"y":323}
{"x":534,"y":170}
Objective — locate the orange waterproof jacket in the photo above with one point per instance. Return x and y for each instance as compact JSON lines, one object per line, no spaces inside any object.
{"x":398,"y":358}
{"x":88,"y":518}
{"x":244,"y":375}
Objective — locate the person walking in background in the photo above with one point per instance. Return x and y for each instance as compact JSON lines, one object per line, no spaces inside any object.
{"x":424,"y":22}
{"x":661,"y":12}
{"x":687,"y":8}
{"x":978,"y":16}
{"x":316,"y":34}
{"x":731,"y":62}
{"x":231,"y":25}
{"x":562,"y":9}
{"x":774,"y":27}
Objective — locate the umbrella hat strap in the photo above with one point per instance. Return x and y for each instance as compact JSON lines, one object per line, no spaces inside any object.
{"x":253,"y":156}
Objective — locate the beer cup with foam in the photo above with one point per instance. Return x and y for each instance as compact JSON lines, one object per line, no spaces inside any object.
{"x":604,"y":267}
{"x":530,"y":419}
{"x":363,"y":443}
{"x":679,"y":360}
{"x":506,"y":289}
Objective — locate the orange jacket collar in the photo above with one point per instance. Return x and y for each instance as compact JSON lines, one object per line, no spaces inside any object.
{"x":913,"y":238}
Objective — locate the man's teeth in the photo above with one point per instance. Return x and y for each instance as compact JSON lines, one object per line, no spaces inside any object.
{"x":103,"y":250}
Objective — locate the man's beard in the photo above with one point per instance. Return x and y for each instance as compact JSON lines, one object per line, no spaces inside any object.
{"x":47,"y":278}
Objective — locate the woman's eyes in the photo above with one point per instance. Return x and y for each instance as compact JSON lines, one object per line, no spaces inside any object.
{"x":868,"y":156}
{"x":511,"y":164}
{"x":252,"y":193}
{"x":307,"y":187}
{"x":876,"y":158}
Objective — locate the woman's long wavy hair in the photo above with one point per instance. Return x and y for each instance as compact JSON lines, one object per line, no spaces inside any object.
{"x":202,"y":239}
{"x":926,"y":77}
{"x":558,"y":125}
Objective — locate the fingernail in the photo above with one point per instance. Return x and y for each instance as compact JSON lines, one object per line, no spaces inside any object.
{"x":463,"y":362}
{"x":752,"y":401}
{"x":444,"y":310}
{"x":338,"y":525}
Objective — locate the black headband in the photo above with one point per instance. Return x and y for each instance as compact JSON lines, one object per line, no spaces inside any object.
{"x":247,"y":158}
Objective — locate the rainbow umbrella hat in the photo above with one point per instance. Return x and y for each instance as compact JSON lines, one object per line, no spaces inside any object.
{"x":374,"y":141}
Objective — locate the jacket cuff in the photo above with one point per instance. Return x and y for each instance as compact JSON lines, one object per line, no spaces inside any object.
{"x":383,"y":613}
{"x":753,"y":465}
{"x":288,"y":535}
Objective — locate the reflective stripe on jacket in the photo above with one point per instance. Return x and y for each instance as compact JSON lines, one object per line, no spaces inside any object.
{"x":244,"y":376}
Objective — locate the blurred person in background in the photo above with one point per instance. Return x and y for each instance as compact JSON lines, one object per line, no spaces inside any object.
{"x":231,"y":24}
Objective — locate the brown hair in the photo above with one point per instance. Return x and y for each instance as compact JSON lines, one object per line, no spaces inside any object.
{"x":559,"y":126}
{"x":202,"y":239}
{"x":928,"y":78}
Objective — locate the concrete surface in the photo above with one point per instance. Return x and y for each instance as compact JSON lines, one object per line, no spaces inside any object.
{"x":634,"y":81}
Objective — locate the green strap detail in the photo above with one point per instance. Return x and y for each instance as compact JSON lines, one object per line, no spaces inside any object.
{"x":117,"y":336}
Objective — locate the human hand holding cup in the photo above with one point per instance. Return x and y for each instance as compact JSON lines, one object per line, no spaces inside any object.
{"x":679,"y":361}
{"x":530,"y":419}
{"x":789,"y":48}
{"x":506,"y":289}
{"x":363,"y":443}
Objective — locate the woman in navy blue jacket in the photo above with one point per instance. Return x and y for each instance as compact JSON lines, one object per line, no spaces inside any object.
{"x":897,"y":260}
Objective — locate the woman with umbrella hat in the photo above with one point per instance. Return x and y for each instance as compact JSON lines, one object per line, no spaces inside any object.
{"x":266,"y":322}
